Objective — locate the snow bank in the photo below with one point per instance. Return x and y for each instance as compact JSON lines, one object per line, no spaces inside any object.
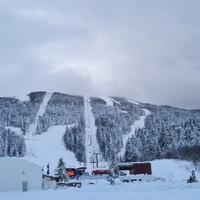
{"x":172,"y":170}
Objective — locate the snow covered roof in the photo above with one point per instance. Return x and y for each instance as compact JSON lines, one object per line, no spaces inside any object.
{"x":14,"y":161}
{"x":130,"y":163}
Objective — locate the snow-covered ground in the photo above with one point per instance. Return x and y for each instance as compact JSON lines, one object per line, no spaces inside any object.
{"x":91,"y":143}
{"x":173,"y":170}
{"x":173,"y":188}
{"x":138,"y":191}
{"x":137,"y":124}
{"x":49,"y":147}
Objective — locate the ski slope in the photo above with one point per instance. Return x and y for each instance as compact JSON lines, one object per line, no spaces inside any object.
{"x":108,"y":101}
{"x":137,"y":124}
{"x":91,"y":143}
{"x":30,"y":135}
{"x":133,"y":101}
{"x":115,"y":101}
{"x":33,"y":127}
{"x":15,"y":129}
{"x":49,"y":147}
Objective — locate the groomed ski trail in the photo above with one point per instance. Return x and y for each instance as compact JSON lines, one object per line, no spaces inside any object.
{"x":30,"y":136}
{"x":48,"y":147}
{"x":108,"y":100}
{"x":33,"y":127}
{"x":91,"y":143}
{"x":137,"y":124}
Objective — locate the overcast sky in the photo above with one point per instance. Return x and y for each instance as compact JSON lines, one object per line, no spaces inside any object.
{"x":145,"y":50}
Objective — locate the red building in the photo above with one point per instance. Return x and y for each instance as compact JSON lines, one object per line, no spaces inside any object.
{"x":133,"y":168}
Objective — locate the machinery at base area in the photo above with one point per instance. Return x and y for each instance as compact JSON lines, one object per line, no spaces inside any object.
{"x":65,"y":185}
{"x":81,"y":171}
{"x":75,"y":172}
{"x":192,"y":178}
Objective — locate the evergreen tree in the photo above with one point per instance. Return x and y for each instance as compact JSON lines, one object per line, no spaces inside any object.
{"x":60,"y":170}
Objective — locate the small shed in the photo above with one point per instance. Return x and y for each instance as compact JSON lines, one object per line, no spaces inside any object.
{"x":19,"y":175}
{"x":49,"y":182}
{"x":135,"y":168}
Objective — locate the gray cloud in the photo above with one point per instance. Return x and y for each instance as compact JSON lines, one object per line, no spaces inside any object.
{"x":145,"y":50}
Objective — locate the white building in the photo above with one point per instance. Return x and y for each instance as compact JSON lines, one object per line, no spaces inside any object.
{"x":48,"y":182}
{"x":19,"y":174}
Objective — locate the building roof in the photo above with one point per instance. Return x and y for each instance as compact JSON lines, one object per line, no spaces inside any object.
{"x":5,"y":161}
{"x":131,"y":163}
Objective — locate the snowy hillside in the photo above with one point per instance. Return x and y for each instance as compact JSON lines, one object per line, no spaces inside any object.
{"x":48,"y":148}
{"x":138,"y":124}
{"x":116,"y":128}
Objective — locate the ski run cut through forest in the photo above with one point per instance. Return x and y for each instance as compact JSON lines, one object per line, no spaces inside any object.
{"x":39,"y":146}
{"x":98,"y":133}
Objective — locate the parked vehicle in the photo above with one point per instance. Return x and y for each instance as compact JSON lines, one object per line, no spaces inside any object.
{"x":192,"y":178}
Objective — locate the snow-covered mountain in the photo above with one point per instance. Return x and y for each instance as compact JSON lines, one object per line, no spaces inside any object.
{"x":80,"y":129}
